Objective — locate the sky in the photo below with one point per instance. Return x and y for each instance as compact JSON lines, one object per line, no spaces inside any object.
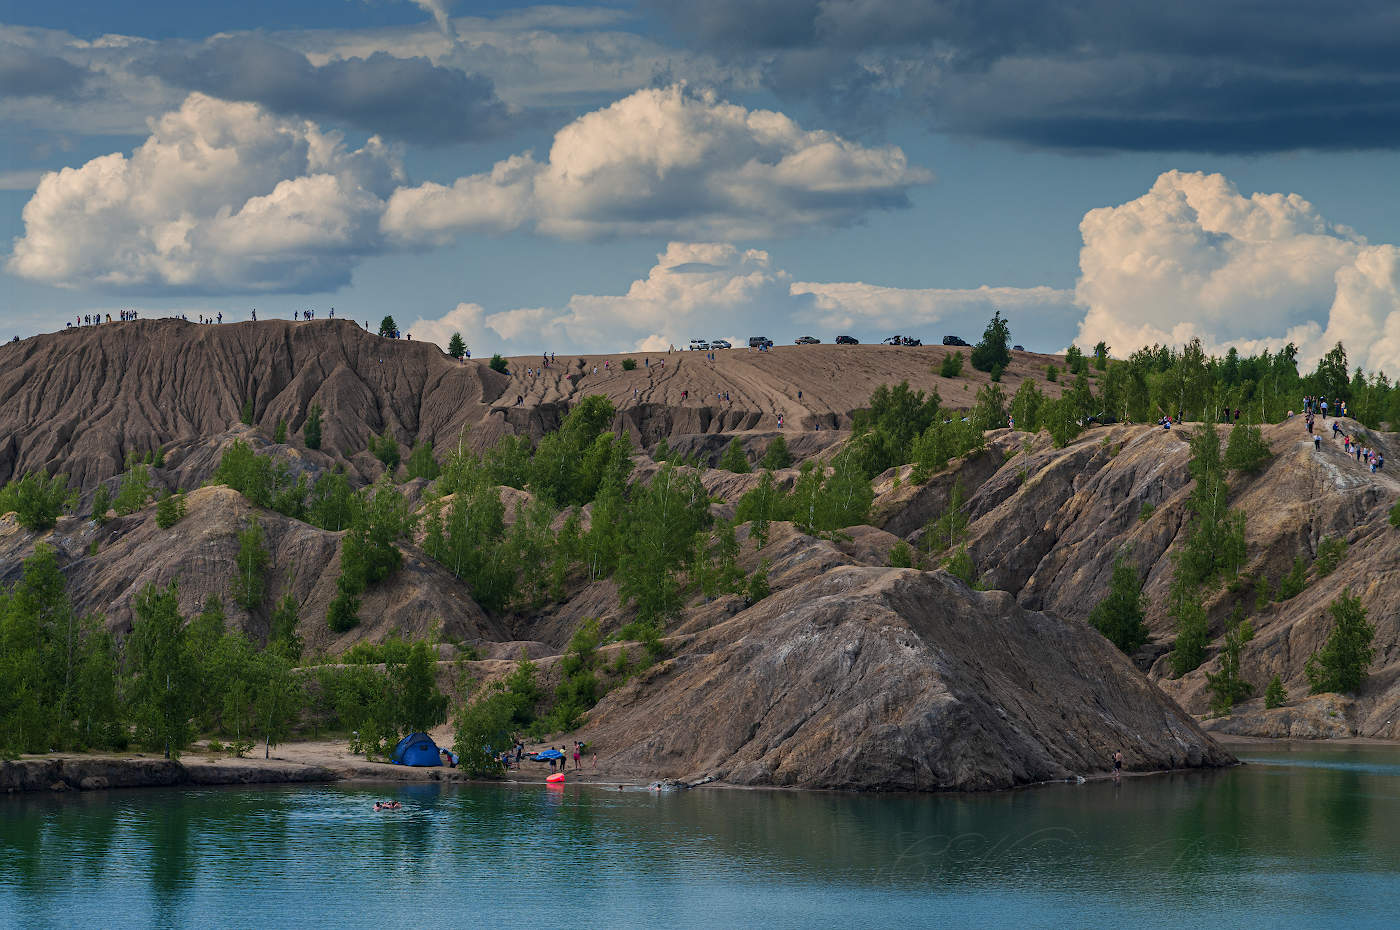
{"x":625,"y":176}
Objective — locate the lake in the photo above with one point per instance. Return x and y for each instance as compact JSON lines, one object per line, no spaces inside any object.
{"x":1302,"y":836}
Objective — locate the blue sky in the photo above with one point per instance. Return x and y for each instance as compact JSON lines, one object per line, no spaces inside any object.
{"x":628,"y":175}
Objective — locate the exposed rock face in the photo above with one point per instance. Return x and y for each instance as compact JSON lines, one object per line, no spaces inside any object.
{"x":199,"y":553}
{"x":91,"y":773}
{"x":874,"y":678}
{"x":1047,"y":524}
{"x":77,"y":401}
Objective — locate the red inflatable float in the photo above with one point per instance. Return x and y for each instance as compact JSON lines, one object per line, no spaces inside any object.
{"x":556,"y":777}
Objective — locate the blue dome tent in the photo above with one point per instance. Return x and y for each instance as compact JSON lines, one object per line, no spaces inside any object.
{"x":416,"y":749}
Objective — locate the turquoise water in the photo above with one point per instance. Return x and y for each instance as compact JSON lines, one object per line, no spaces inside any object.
{"x":1302,"y":837}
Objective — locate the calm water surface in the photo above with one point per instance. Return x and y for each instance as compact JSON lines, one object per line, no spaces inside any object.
{"x":1300,"y":837}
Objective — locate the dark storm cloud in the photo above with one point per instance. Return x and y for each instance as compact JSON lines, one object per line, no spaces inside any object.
{"x":406,"y":98}
{"x":27,"y":73}
{"x":1212,"y":75}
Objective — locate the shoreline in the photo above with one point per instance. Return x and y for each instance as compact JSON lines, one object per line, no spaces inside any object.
{"x":322,"y":762}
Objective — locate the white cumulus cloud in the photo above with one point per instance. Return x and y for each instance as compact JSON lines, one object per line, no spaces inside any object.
{"x":221,"y":196}
{"x":227,"y":197}
{"x":668,"y":162}
{"x":1194,"y":258}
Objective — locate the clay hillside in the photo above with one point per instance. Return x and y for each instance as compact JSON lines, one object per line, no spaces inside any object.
{"x":850,"y":673}
{"x":78,"y":401}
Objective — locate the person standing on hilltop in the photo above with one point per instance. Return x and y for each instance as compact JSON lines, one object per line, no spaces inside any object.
{"x":255,"y":314}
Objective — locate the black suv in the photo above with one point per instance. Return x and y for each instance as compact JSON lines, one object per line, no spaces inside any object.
{"x":760,"y":342}
{"x":847,"y":341}
{"x":954,"y":341}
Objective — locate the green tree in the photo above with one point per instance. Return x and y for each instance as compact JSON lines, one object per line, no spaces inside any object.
{"x":386,"y":449}
{"x":134,"y":492}
{"x":1075,"y":362}
{"x":1119,"y":616}
{"x":481,"y":730}
{"x":901,"y":555}
{"x":421,"y":463}
{"x":387,"y":327}
{"x":1330,"y":552}
{"x":37,"y":500}
{"x":163,"y":687}
{"x":629,"y":364}
{"x":1060,"y":418}
{"x":951,"y":366}
{"x":883,"y":435}
{"x":760,"y":506}
{"x":278,"y":696}
{"x":994,"y":349}
{"x":1246,"y":449}
{"x":252,"y":558}
{"x":246,"y":414}
{"x":961,"y":566}
{"x":456,"y":347}
{"x":499,"y":364}
{"x":578,"y":688}
{"x":422,"y":705}
{"x":990,"y":410}
{"x":1052,"y":373}
{"x":663,"y":521}
{"x":949,"y":528}
{"x":1026,"y":406}
{"x":170,"y":510}
{"x":101,"y":503}
{"x":1293,"y":583}
{"x":776,"y":455}
{"x":1226,"y":685}
{"x":734,"y":458}
{"x":282,"y":635}
{"x":332,"y":503}
{"x":1342,"y":662}
{"x":311,"y":429}
{"x":757,"y":588}
{"x":1331,"y":376}
{"x":1275,"y":695}
{"x":1192,"y":632}
{"x":1101,"y":356}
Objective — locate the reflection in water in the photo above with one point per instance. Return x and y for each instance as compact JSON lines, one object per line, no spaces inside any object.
{"x":1291,"y":841}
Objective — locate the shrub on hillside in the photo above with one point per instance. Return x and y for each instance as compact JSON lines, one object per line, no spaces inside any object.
{"x":952,"y":365}
{"x":37,"y":500}
{"x":1342,"y":662}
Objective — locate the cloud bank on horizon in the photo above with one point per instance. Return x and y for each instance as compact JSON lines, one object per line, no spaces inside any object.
{"x":1190,"y":259}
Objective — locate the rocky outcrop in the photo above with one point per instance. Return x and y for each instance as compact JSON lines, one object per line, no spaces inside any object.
{"x":91,"y":773}
{"x":869,"y":678}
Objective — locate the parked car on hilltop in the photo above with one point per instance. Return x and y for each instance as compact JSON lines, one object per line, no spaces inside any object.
{"x":759,"y":342}
{"x":847,"y":341}
{"x":699,"y":345}
{"x":954,"y":341}
{"x":807,"y":341}
{"x":719,"y":344}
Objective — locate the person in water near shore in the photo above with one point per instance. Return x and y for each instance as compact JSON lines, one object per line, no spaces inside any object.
{"x":1118,"y":765}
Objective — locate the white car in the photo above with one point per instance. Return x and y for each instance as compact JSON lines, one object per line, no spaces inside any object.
{"x":720,"y":344}
{"x":699,"y":345}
